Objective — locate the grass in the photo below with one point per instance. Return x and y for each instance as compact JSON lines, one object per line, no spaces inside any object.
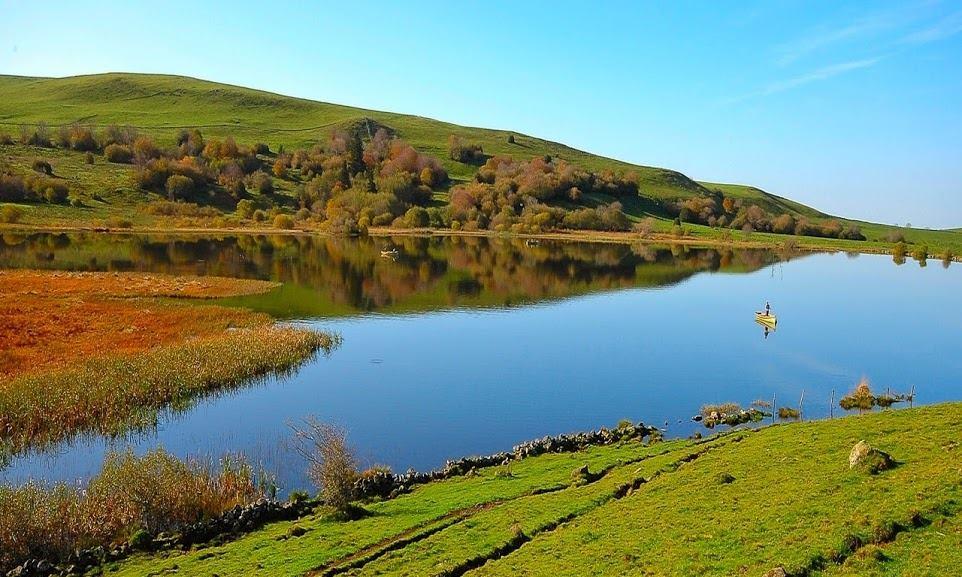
{"x":100,"y":351}
{"x":160,"y":105}
{"x":148,"y":494}
{"x":741,"y":503}
{"x":52,"y":319}
{"x":112,"y":393}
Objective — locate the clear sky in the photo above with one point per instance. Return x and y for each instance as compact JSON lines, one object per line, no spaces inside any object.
{"x":853,"y":107}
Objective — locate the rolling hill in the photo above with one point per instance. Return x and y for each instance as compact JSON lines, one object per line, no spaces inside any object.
{"x":161,"y":105}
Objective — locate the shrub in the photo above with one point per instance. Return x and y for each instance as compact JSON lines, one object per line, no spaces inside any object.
{"x":168,"y":208}
{"x":55,"y":193}
{"x":42,"y":166}
{"x":788,"y":413}
{"x":89,"y":158}
{"x":259,"y":215}
{"x":921,"y":253}
{"x":861,"y":398}
{"x":262,"y":148}
{"x":898,"y":252}
{"x":118,"y":222}
{"x":645,"y":227}
{"x":10,"y":213}
{"x":510,"y":139}
{"x":895,"y":236}
{"x":280,"y":168}
{"x":6,"y":139}
{"x":283,"y":221}
{"x":245,"y":208}
{"x":178,"y":187}
{"x":416,"y":217}
{"x":119,"y":153}
{"x":81,"y":138}
{"x":125,"y":135}
{"x":144,"y":149}
{"x":332,"y":466}
{"x":463,"y":152}
{"x":261,"y":182}
{"x":130,"y":499}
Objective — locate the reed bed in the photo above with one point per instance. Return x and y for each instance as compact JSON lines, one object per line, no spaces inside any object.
{"x":104,"y":394}
{"x":151,"y":493}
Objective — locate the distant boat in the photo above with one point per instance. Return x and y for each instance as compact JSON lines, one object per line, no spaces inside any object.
{"x":767,"y":319}
{"x":389,"y":253}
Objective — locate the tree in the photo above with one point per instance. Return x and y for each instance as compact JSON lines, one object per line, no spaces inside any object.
{"x":10,"y":213}
{"x":645,"y":227}
{"x":261,"y":182}
{"x":728,"y":205}
{"x":427,"y":177}
{"x":178,"y":187}
{"x":355,"y":153}
{"x":280,"y":167}
{"x":245,"y":208}
{"x":331,"y":464}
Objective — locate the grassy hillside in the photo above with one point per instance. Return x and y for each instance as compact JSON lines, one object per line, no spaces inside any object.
{"x":160,"y":105}
{"x":739,"y":504}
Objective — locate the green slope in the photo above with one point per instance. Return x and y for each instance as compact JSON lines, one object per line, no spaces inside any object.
{"x":740,"y":504}
{"x":161,"y":104}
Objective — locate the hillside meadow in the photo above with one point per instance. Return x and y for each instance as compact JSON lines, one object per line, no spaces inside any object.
{"x":297,"y":165}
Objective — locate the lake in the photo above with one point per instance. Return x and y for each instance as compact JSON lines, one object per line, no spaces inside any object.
{"x":460,"y":346}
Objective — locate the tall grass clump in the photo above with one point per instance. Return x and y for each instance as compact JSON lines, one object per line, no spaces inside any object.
{"x":107,"y":394}
{"x":150,"y":493}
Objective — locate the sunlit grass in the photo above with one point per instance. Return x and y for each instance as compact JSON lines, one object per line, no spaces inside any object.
{"x":106,"y":394}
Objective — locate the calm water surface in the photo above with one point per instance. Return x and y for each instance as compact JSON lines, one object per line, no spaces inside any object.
{"x":466,"y":346}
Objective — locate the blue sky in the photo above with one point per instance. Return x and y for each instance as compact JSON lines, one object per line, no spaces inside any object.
{"x":853,"y":107}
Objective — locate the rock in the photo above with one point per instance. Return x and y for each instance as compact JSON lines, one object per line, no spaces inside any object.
{"x":776,"y":572}
{"x":869,"y":458}
{"x":858,"y":454}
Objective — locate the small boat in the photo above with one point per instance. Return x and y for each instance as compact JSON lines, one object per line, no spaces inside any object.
{"x":766,"y":318}
{"x":389,"y":253}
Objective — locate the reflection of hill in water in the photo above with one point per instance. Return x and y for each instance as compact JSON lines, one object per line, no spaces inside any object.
{"x":340,"y":276}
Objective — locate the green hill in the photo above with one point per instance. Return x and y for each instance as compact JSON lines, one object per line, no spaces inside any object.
{"x":743,"y":503}
{"x":161,"y":105}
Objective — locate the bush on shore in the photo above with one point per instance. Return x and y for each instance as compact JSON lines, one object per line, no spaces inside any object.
{"x":131,"y":494}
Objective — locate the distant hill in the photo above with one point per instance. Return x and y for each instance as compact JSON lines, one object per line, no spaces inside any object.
{"x":162,"y":104}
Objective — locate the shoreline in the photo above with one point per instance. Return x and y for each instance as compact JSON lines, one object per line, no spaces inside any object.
{"x":799,"y":244}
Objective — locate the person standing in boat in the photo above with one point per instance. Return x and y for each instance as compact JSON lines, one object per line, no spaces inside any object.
{"x":768,"y":309}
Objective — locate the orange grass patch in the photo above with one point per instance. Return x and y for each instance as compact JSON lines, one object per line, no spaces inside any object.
{"x":49,"y":320}
{"x":127,"y":284}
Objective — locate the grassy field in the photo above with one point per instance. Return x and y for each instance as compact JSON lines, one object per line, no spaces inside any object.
{"x":161,"y":105}
{"x":742,"y":503}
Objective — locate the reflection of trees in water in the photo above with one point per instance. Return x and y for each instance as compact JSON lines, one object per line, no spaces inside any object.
{"x":433,"y":271}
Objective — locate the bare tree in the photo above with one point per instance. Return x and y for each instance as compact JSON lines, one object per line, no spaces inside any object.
{"x":332,"y":466}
